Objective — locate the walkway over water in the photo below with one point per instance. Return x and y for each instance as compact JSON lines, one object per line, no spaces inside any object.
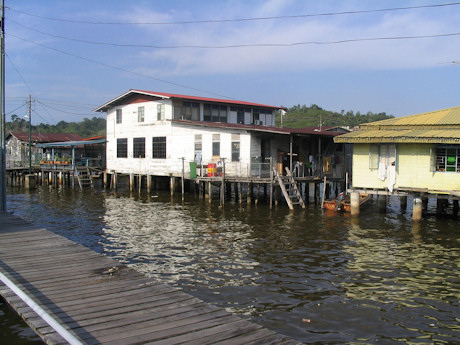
{"x":103,"y":302}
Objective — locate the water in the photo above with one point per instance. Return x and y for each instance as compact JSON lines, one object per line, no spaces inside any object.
{"x":316,"y":276}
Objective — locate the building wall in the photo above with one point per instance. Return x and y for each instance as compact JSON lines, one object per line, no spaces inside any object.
{"x":414,"y":169}
{"x":180,"y":142}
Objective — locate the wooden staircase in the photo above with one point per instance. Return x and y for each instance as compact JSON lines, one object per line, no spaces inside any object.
{"x":289,"y":188}
{"x":84,"y":177}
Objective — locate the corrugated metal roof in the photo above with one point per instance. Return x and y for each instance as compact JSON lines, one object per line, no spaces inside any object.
{"x":449,"y":116}
{"x":165,"y":95}
{"x":441,"y":126}
{"x":448,"y":136}
{"x":46,"y":137}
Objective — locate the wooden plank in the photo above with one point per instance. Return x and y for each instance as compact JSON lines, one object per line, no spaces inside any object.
{"x":104,"y":302}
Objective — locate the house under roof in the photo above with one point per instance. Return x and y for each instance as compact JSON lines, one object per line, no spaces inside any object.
{"x":441,"y":126}
{"x":46,"y":137}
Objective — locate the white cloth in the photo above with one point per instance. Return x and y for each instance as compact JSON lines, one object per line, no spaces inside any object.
{"x":382,"y":173}
{"x":391,"y":174}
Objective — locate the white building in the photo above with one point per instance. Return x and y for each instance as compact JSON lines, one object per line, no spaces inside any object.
{"x":150,"y":133}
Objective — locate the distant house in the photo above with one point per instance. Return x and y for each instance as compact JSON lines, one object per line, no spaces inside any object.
{"x":156,"y":133}
{"x":17,"y":146}
{"x":417,"y":154}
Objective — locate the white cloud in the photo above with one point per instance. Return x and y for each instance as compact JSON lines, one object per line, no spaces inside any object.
{"x":376,"y":55}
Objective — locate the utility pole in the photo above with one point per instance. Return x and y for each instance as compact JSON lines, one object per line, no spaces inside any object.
{"x":2,"y":112}
{"x":30,"y":134}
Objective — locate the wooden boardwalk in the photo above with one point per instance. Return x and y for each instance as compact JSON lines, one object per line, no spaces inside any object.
{"x":103,"y":302}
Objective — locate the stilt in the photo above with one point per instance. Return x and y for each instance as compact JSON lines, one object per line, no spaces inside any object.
{"x":171,"y":184}
{"x":139,"y":182}
{"x":149,"y":183}
{"x":240,"y":193}
{"x":105,"y":179}
{"x":417,"y":209}
{"x":249,"y":193}
{"x":210,"y":191}
{"x":455,"y":209}
{"x":382,"y":202}
{"x":354,"y":203}
{"x":403,"y":202}
{"x":441,"y":206}
{"x":131,"y":182}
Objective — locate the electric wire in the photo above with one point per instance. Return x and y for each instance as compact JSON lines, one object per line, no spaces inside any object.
{"x":240,"y":19}
{"x":119,"y":68}
{"x":251,"y":45}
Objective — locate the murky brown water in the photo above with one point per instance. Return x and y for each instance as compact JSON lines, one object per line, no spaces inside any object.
{"x":316,"y":276}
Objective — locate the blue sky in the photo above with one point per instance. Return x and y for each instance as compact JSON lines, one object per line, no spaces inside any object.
{"x":73,"y":56}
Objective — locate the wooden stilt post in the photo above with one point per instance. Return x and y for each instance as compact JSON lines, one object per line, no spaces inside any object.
{"x":403,"y":202}
{"x":149,"y":183}
{"x":249,"y":193}
{"x":131,"y":182}
{"x":455,"y":209}
{"x":183,"y":178}
{"x":240,"y":192}
{"x":171,"y":184}
{"x":382,"y":202}
{"x":271,"y":183}
{"x":210,"y":191}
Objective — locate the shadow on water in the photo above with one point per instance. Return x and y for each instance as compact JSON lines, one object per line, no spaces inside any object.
{"x":317,"y":276}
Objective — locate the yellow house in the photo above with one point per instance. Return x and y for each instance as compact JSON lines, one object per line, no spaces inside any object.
{"x":413,"y":155}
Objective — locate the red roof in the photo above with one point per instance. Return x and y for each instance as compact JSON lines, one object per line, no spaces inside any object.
{"x":164,"y":95}
{"x":259,"y":128}
{"x":46,"y":137}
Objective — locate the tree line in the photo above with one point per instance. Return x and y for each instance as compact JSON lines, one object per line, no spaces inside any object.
{"x":296,"y":116}
{"x":299,"y":116}
{"x":86,"y":128}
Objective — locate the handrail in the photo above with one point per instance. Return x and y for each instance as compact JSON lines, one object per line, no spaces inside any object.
{"x":71,"y":339}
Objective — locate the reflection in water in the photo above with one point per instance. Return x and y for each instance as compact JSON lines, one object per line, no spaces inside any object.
{"x":320,"y":277}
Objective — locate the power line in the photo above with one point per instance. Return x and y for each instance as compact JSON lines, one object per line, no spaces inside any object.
{"x":241,"y":19}
{"x":120,"y":69}
{"x":250,"y":45}
{"x":60,"y":110}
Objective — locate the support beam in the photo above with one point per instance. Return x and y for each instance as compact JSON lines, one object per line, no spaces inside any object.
{"x":417,"y":209}
{"x":354,"y":203}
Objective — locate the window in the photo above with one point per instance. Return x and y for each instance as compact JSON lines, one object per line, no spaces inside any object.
{"x":215,"y":113}
{"x":382,"y":155}
{"x":140,"y":114}
{"x":216,"y":144}
{"x":159,"y":147}
{"x":198,"y":148}
{"x":119,"y":116}
{"x":255,"y":116}
{"x":240,"y":115}
{"x":448,"y":159}
{"x":235,"y":147}
{"x":139,"y":147}
{"x":122,"y":148}
{"x":160,"y":112}
{"x":207,"y":112}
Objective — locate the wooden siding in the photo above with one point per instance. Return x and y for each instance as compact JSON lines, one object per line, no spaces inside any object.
{"x":413,"y":169}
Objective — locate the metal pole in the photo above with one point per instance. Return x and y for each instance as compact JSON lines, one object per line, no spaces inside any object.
{"x":63,"y":332}
{"x":2,"y":111}
{"x":30,"y":134}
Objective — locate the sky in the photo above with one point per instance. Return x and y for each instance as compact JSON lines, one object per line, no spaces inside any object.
{"x":373,"y":55}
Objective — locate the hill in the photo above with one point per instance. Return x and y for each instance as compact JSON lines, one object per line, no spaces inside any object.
{"x":304,"y":116}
